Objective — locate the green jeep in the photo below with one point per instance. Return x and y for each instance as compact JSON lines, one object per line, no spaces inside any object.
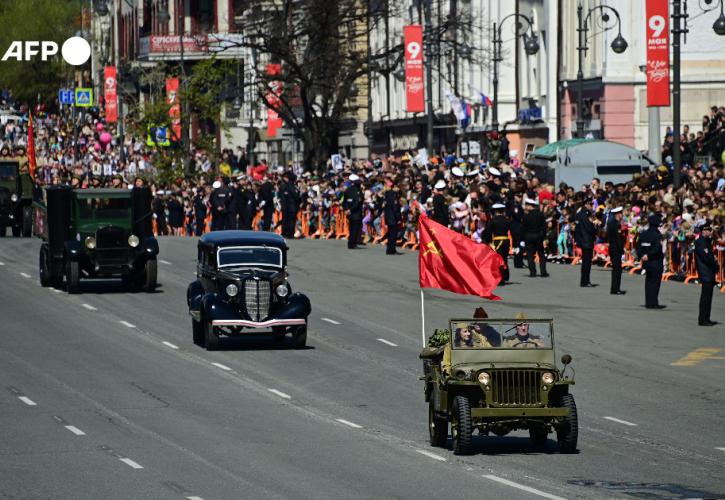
{"x":96,"y":233}
{"x":16,"y":197}
{"x":498,"y":375}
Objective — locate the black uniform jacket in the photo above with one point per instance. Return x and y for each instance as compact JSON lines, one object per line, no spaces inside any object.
{"x":534,"y":225}
{"x":649,"y":245}
{"x":707,"y":266}
{"x":585,"y":232}
{"x":614,"y":237}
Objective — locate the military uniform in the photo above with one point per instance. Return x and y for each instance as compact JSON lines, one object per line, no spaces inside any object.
{"x":707,"y":268}
{"x":649,"y":244}
{"x":616,"y":250}
{"x":220,"y":199}
{"x":392,"y":220}
{"x":478,"y":341}
{"x":354,"y":205}
{"x":290,"y":202}
{"x":534,"y":228}
{"x":497,"y":235}
{"x":584,"y":235}
{"x":527,"y":342}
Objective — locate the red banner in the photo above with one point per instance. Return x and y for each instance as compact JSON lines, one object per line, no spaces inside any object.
{"x":172,"y":98}
{"x":658,"y":53}
{"x":275,"y":90}
{"x":109,"y":93}
{"x":31,"y":146}
{"x":414,"y":87}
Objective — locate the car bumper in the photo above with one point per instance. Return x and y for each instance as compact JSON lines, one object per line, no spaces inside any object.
{"x":257,"y":324}
{"x":519,"y":412}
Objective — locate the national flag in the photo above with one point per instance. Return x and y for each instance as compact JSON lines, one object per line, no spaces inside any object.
{"x":466,"y":121}
{"x":456,"y":104}
{"x":487,"y":102}
{"x":451,"y":261}
{"x":31,"y":146}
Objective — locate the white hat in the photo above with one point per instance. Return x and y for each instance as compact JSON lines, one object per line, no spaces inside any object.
{"x":617,"y":210}
{"x":160,"y":192}
{"x":494,"y":171}
{"x":513,"y":153}
{"x":429,"y":200}
{"x":496,"y":206}
{"x":441,"y":184}
{"x":472,"y":173}
{"x":530,"y":201}
{"x":457,"y":171}
{"x":354,"y":177}
{"x":217,"y":184}
{"x":280,"y":170}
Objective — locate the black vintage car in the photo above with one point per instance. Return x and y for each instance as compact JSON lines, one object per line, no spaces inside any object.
{"x":242,"y":286}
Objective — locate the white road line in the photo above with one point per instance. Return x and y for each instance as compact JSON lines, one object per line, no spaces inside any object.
{"x":131,"y":463}
{"x":165,"y":262}
{"x":2,"y":263}
{"x":522,"y":487}
{"x":89,"y":307}
{"x":330,"y":321}
{"x":387,"y":342}
{"x":348,"y":423}
{"x":126,"y":323}
{"x":169,"y":344}
{"x":75,"y":430}
{"x":431,"y":455}
{"x":27,"y":401}
{"x":280,"y":393}
{"x":195,"y":498}
{"x":223,"y":367}
{"x":719,"y":448}
{"x":25,"y":275}
{"x":621,"y":421}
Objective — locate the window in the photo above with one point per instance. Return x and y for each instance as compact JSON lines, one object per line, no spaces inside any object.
{"x":7,"y":172}
{"x":204,"y":14}
{"x":249,"y":256}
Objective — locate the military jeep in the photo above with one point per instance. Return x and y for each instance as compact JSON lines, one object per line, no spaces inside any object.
{"x":16,"y":197}
{"x":497,"y":376}
{"x":96,"y":233}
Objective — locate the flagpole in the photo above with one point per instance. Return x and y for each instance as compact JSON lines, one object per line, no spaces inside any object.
{"x":422,"y":316}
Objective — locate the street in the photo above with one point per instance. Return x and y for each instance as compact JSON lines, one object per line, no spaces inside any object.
{"x":104,"y":395}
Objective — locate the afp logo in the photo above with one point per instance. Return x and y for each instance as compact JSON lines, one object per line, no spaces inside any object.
{"x":75,"y":50}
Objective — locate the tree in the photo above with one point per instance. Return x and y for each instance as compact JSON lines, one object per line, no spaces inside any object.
{"x":41,"y":20}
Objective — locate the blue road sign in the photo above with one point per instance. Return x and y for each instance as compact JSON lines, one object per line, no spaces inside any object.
{"x":66,"y":96}
{"x":84,"y":98}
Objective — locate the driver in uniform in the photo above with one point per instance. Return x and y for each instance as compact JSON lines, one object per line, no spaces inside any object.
{"x":522,"y":339}
{"x":465,"y":338}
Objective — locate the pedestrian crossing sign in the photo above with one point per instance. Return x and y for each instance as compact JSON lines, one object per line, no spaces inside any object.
{"x":84,"y":97}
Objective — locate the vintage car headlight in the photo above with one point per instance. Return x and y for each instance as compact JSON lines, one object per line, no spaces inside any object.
{"x":232,"y":290}
{"x":90,"y":242}
{"x":484,"y":378}
{"x":547,"y":378}
{"x":133,"y":240}
{"x":13,"y":197}
{"x":282,"y":290}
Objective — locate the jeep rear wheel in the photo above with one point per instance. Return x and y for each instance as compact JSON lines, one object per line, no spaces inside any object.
{"x":462,"y":426}
{"x":437,"y":427}
{"x":72,"y":276}
{"x":211,"y":339}
{"x":568,"y":430}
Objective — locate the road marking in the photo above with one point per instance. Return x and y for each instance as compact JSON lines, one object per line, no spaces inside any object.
{"x":2,"y":263}
{"x":89,"y":307}
{"x":621,"y":421}
{"x":165,"y":262}
{"x":75,"y":430}
{"x":27,"y":401}
{"x":25,"y":275}
{"x":223,"y":367}
{"x":387,"y":342}
{"x":719,"y":448}
{"x":431,"y":455}
{"x":280,"y":393}
{"x":348,"y":423}
{"x":169,"y":344}
{"x":126,"y":323}
{"x":330,"y":321}
{"x":131,"y":463}
{"x":522,"y":487}
{"x":195,"y":498}
{"x":697,"y":356}
{"x":55,"y":290}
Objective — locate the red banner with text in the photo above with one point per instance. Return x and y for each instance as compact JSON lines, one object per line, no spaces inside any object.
{"x":172,"y":98}
{"x":414,"y":87}
{"x":109,"y":93}
{"x":658,"y":53}
{"x":275,"y":90}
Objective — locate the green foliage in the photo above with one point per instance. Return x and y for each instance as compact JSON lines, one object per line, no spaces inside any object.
{"x":51,"y":20}
{"x":440,"y":337}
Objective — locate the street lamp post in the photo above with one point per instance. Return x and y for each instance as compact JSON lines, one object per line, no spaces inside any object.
{"x":531,"y":46}
{"x":619,"y":45}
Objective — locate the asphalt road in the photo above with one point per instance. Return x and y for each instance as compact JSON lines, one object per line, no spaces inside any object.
{"x":104,"y":395}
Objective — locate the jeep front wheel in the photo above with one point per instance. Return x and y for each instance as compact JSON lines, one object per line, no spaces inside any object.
{"x":437,"y":427}
{"x":462,"y":426}
{"x":211,"y":339}
{"x":568,"y":430}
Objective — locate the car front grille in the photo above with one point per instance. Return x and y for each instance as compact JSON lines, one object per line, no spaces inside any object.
{"x":257,"y":295}
{"x":111,"y":237}
{"x":515,"y":387}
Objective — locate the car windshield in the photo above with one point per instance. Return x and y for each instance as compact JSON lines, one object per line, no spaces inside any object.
{"x":249,"y":256}
{"x":104,"y":208}
{"x":507,"y":334}
{"x":7,"y":171}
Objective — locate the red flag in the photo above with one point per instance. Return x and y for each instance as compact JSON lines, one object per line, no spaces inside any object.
{"x":31,"y":146}
{"x":451,"y":261}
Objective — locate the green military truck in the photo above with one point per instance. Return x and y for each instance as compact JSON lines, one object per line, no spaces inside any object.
{"x":96,"y":233}
{"x":16,"y":197}
{"x":497,"y":376}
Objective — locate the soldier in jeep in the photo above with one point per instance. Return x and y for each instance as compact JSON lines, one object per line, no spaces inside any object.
{"x":523,"y":339}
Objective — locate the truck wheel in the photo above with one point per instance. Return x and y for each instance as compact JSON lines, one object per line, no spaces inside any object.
{"x":44,"y":268}
{"x":149,"y":275}
{"x":72,"y":276}
{"x":437,"y":427}
{"x":198,"y":332}
{"x":278,"y":333}
{"x":211,"y":339}
{"x":538,"y":435}
{"x":27,"y":222}
{"x":16,"y":231}
{"x":300,"y":337}
{"x":462,"y":426}
{"x":568,"y":431}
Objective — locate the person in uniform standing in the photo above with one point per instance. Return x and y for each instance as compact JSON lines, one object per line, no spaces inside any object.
{"x":440,"y":207}
{"x":199,"y":212}
{"x":246,"y":206}
{"x":615,"y":238}
{"x":392,"y":218}
{"x":354,"y":207}
{"x":517,"y":233}
{"x":290,"y":202}
{"x":649,"y":249}
{"x":266,"y":194}
{"x":584,"y":234}
{"x":707,"y":269}
{"x":497,"y":235}
{"x":534,"y":228}
{"x":219,"y":206}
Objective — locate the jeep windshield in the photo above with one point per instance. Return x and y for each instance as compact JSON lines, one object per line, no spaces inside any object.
{"x":231,"y":257}
{"x":104,"y":208}
{"x":8,"y":171}
{"x":507,"y":334}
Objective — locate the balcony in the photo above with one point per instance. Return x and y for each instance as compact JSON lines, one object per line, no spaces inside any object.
{"x":196,"y":47}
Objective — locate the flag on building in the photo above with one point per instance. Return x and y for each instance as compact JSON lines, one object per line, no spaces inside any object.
{"x":485,"y":100}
